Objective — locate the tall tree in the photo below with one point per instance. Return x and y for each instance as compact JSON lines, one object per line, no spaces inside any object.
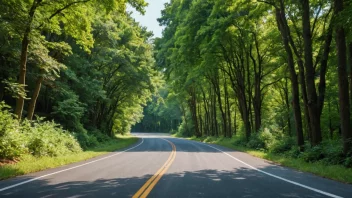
{"x":344,"y":102}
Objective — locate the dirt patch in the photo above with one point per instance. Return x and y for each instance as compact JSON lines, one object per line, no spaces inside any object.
{"x":7,"y":161}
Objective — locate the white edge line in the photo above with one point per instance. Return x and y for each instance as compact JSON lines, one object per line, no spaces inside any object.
{"x":54,"y":173}
{"x":275,"y":176}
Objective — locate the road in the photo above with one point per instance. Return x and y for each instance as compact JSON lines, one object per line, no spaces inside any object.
{"x":161,"y":166}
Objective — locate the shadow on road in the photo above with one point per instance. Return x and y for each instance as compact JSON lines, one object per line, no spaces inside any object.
{"x":240,"y":182}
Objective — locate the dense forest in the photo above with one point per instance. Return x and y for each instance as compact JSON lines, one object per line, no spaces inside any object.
{"x":275,"y":75}
{"x":85,"y":65}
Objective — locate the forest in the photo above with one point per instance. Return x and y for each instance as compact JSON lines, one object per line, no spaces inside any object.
{"x":271,"y":75}
{"x":72,"y":74}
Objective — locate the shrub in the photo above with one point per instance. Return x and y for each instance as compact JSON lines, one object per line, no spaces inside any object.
{"x":348,"y":162}
{"x":261,"y":140}
{"x":312,"y":154}
{"x":101,"y":137}
{"x":329,"y":152}
{"x":86,"y":141}
{"x":255,"y":142}
{"x":332,"y":151}
{"x":36,"y":137}
{"x":185,"y":130}
{"x":293,"y":152}
{"x":267,"y":138}
{"x":282,"y":145}
{"x":12,"y":141}
{"x":241,"y":140}
{"x":49,"y":139}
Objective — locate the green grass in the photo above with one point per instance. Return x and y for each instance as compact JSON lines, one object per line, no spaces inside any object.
{"x":30,"y":164}
{"x":335,"y":172}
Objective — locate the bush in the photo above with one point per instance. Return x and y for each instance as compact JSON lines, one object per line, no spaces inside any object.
{"x":86,"y":141}
{"x":312,"y":154}
{"x":333,"y":152}
{"x":294,"y":152}
{"x":49,"y":139}
{"x":241,"y":140}
{"x":185,"y":130}
{"x":348,"y":162}
{"x":12,"y":141}
{"x":37,"y":138}
{"x":101,"y":137}
{"x":329,"y":152}
{"x":261,"y":140}
{"x":255,"y":142}
{"x":282,"y":145}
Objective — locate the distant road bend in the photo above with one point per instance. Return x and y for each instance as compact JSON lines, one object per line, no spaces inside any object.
{"x":161,"y":166}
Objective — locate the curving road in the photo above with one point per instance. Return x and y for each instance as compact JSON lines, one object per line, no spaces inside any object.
{"x":161,"y":166}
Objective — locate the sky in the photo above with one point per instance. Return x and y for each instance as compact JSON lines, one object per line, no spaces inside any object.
{"x":153,"y":11}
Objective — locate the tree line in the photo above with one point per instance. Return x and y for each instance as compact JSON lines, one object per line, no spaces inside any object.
{"x":246,"y":65}
{"x":83,"y":63}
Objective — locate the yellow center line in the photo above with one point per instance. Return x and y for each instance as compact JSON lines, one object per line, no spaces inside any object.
{"x":149,"y":185}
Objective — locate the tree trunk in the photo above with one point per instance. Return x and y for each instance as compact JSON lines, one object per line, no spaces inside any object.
{"x":258,"y":75}
{"x":2,"y":90}
{"x":214,"y":117}
{"x":223,"y":114}
{"x":23,"y":60}
{"x":323,"y":70}
{"x":280,"y":14}
{"x":287,"y":108}
{"x":249,"y":90}
{"x":330,"y":122}
{"x":343,"y":82}
{"x":201,"y":131}
{"x":229,"y":128}
{"x":33,"y":102}
{"x":193,"y":107}
{"x":310,"y":73}
{"x":235,"y":122}
{"x":22,"y":77}
{"x":211,"y":111}
{"x":206,"y":116}
{"x":302,"y":78}
{"x":350,"y":61}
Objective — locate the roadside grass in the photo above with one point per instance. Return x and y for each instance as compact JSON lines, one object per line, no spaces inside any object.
{"x":30,"y":164}
{"x":334,"y":172}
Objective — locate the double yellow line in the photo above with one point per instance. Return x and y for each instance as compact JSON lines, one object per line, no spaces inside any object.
{"x":149,"y":185}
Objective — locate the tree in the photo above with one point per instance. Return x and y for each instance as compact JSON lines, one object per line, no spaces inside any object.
{"x":344,"y":101}
{"x":33,"y":17}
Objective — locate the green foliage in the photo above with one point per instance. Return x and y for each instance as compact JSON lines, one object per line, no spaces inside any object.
{"x":262,"y":140}
{"x":283,"y":145}
{"x":12,"y":140}
{"x":86,"y":141}
{"x":89,"y":66}
{"x":241,"y":140}
{"x":49,"y":139}
{"x":313,"y":154}
{"x":37,"y":138}
{"x":186,"y":128}
{"x":329,"y":152}
{"x":14,"y":89}
{"x":91,"y":57}
{"x":91,"y":139}
{"x":101,"y":137}
{"x":70,"y":112}
{"x":29,"y":164}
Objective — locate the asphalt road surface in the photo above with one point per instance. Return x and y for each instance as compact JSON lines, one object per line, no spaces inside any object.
{"x":161,"y":166}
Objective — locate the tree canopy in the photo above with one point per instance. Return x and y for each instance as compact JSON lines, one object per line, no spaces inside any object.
{"x":244,"y":67}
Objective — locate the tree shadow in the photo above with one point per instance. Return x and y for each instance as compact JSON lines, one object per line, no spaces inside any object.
{"x":240,"y":182}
